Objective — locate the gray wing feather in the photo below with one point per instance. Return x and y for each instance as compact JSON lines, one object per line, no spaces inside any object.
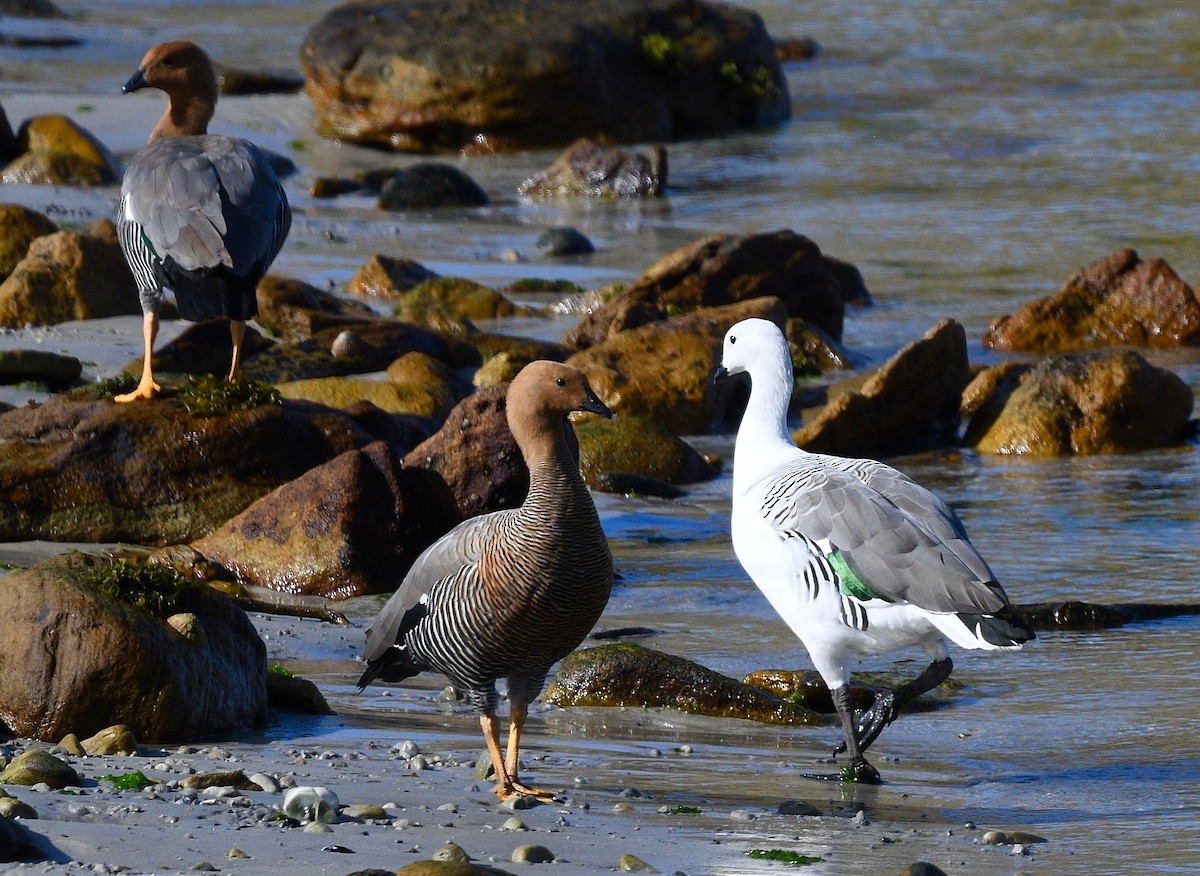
{"x":461,"y":546}
{"x":903,"y":546}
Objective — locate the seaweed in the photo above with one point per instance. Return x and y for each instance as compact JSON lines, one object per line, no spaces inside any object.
{"x":784,"y":856}
{"x":153,"y":588}
{"x":208,"y":395}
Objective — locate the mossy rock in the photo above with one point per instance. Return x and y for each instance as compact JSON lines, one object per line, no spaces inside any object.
{"x":454,"y":298}
{"x":36,"y":766}
{"x":632,"y":445}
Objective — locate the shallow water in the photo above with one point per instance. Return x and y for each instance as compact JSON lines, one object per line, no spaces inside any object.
{"x":967,"y":157}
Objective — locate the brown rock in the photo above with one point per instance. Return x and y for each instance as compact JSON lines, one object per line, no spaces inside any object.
{"x":596,"y":170}
{"x":294,"y":311}
{"x":346,"y":528}
{"x":1116,"y":300}
{"x":453,"y":299}
{"x":911,"y":403}
{"x":76,"y":469}
{"x":117,"y":739}
{"x":1084,"y":403}
{"x":815,"y":347}
{"x":70,"y":155}
{"x":631,"y":445}
{"x":387,"y":277}
{"x":79,"y":661}
{"x":295,"y":694}
{"x":391,"y":396}
{"x":53,"y":368}
{"x":408,"y":76}
{"x":66,"y":276}
{"x":19,"y":227}
{"x":725,"y":269}
{"x":662,"y":371}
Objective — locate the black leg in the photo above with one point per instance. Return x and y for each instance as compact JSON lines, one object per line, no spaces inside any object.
{"x":858,"y":770}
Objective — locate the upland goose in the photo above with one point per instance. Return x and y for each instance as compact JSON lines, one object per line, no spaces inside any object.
{"x":201,"y":214}
{"x":854,"y":556}
{"x":510,"y":593}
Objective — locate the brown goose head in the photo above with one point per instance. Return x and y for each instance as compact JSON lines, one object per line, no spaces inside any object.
{"x":542,"y":395}
{"x":185,"y":72}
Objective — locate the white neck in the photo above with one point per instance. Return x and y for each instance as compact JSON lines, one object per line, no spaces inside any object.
{"x":763,"y":440}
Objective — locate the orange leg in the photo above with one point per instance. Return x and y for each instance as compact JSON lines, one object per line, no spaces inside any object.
{"x":146,"y":388}
{"x":237,"y":331}
{"x":516,"y":723}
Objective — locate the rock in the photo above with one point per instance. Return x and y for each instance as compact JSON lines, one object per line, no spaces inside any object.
{"x":294,"y":311}
{"x":117,"y":739}
{"x":295,"y":694}
{"x":518,"y":351}
{"x":31,"y":9}
{"x":475,"y":455}
{"x":662,"y":372}
{"x":1106,"y":401}
{"x":923,"y":868}
{"x":8,"y":140}
{"x":188,"y":625}
{"x":349,"y":527}
{"x":911,"y":403}
{"x":451,"y":852}
{"x":564,"y":241}
{"x":366,"y":812}
{"x":449,"y":868}
{"x":798,"y":807}
{"x":533,"y":854}
{"x":1087,"y":616}
{"x":307,"y":804}
{"x":237,"y":81}
{"x":455,"y":299}
{"x":813,"y":349}
{"x":69,"y":275}
{"x":235,"y":779}
{"x":70,"y":745}
{"x":589,"y":169}
{"x":179,"y":475}
{"x":54,"y":150}
{"x":18,"y":843}
{"x":387,"y":277}
{"x":429,"y":185}
{"x":55,"y":369}
{"x":19,"y":227}
{"x":726,"y":269}
{"x":80,"y":660}
{"x":406,"y":76}
{"x":36,"y":766}
{"x":805,"y":688}
{"x":388,"y":395}
{"x":1117,"y":300}
{"x":631,"y":445}
{"x":11,"y":808}
{"x":630,"y":675}
{"x":633,"y":864}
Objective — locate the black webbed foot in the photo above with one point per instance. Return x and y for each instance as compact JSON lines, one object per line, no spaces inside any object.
{"x":871,"y":723}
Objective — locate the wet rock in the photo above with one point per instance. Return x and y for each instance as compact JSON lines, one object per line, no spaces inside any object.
{"x":10,"y":808}
{"x":111,"y":661}
{"x":449,"y":868}
{"x":54,"y":150}
{"x":631,"y":445}
{"x":725,"y":269}
{"x":429,"y":185}
{"x":69,"y":275}
{"x":564,"y":241}
{"x":408,"y":77}
{"x":1107,"y":401}
{"x":630,"y":675}
{"x":451,"y":852}
{"x":37,"y":766}
{"x":311,"y":804}
{"x":453,"y":299}
{"x":19,"y":227}
{"x":814,"y":350}
{"x":997,"y":380}
{"x":518,"y":351}
{"x":235,"y":779}
{"x":533,"y":854}
{"x":923,"y":868}
{"x":387,"y":277}
{"x":662,"y":372}
{"x":1119,"y":299}
{"x":238,"y":81}
{"x":798,"y":807}
{"x":911,"y":403}
{"x":365,"y":812}
{"x":55,"y":369}
{"x":117,"y":739}
{"x":805,"y":688}
{"x":633,"y":864}
{"x":1086,"y":616}
{"x":70,"y":745}
{"x":1008,"y":838}
{"x":178,"y":476}
{"x":588,"y":169}
{"x":294,"y":311}
{"x":393,"y":396}
{"x":18,"y":843}
{"x":349,"y":527}
{"x":31,"y":9}
{"x":292,"y":693}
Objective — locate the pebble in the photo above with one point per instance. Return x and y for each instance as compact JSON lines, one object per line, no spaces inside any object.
{"x":513,"y":823}
{"x":798,"y":807}
{"x":452,"y":852}
{"x":532,"y":854}
{"x":634,"y":864}
{"x":622,"y":807}
{"x":408,"y":748}
{"x":317,"y":827}
{"x":267,"y":783}
{"x":237,"y":853}
{"x":518,"y":803}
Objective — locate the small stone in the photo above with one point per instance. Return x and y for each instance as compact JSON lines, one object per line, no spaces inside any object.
{"x":70,"y":745}
{"x":408,"y":748}
{"x":622,"y":807}
{"x":451,"y":852}
{"x":10,"y":808}
{"x":365,"y":812}
{"x":798,"y":807}
{"x":630,"y":792}
{"x":188,"y":625}
{"x":634,"y":864}
{"x":237,"y":853}
{"x":996,"y":838}
{"x":36,"y":766}
{"x":742,"y":815}
{"x":923,"y":868}
{"x":267,"y":783}
{"x":519,"y":802}
{"x":532,"y":854}
{"x":418,"y":763}
{"x":317,"y":827}
{"x":483,"y":767}
{"x":312,"y":804}
{"x":513,"y":823}
{"x":564,"y":241}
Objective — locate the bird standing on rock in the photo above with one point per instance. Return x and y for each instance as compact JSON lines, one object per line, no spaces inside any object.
{"x":201,"y":214}
{"x":510,"y":593}
{"x":856,"y":557}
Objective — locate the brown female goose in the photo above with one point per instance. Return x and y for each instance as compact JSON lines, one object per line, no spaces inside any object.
{"x":507,"y":594}
{"x":201,"y":214}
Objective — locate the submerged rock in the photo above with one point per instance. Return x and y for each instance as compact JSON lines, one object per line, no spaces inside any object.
{"x":431,"y":184}
{"x":631,"y":675}
{"x":1072,"y":615}
{"x":596,"y":170}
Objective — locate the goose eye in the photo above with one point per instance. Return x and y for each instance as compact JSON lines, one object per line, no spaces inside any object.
{"x":733,"y":339}
{"x":561,"y":381}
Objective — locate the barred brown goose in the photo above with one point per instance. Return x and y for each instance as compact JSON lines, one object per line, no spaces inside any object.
{"x":510,"y":593}
{"x":201,"y":214}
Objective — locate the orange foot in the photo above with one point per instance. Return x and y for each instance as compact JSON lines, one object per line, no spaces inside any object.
{"x":146,"y":389}
{"x":516,"y":790}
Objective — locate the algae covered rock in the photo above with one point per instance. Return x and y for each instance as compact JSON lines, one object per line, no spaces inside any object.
{"x":55,"y":150}
{"x":452,"y":298}
{"x":631,"y":445}
{"x":37,"y":766}
{"x":631,"y":675}
{"x":388,"y":277}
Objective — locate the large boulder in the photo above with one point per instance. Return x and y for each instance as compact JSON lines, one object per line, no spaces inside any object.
{"x":909,"y":404}
{"x":55,"y":150}
{"x":88,"y":642}
{"x":349,"y":527}
{"x":69,"y":275}
{"x":1119,"y":299}
{"x":294,"y":311}
{"x":19,"y":227}
{"x":629,"y":445}
{"x":725,"y":269}
{"x":663,"y":371}
{"x":1105,"y":401}
{"x":80,"y":469}
{"x":420,"y":76}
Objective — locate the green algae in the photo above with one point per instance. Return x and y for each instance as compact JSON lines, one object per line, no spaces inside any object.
{"x":207,"y":395}
{"x":155,"y":589}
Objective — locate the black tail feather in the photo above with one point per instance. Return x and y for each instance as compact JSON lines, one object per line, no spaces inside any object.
{"x":1004,"y":629}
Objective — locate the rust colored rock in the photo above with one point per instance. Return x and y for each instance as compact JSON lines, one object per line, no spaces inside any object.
{"x":388,"y":277}
{"x":629,"y":445}
{"x":1117,"y":300}
{"x":596,"y":170}
{"x":725,"y":269}
{"x":662,"y":371}
{"x":1105,"y":401}
{"x":422,"y":77}
{"x":67,"y":276}
{"x":453,"y":300}
{"x":294,"y":311}
{"x":78,"y":661}
{"x":911,"y":403}
{"x":349,"y":527}
{"x":19,"y":227}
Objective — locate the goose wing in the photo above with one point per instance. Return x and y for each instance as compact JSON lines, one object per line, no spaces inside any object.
{"x":882,"y":542}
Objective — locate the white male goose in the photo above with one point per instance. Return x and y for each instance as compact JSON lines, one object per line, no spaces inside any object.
{"x":852,"y":554}
{"x":201,"y":214}
{"x":510,"y":593}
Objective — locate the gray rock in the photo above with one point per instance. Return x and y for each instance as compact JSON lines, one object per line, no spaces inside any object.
{"x":431,"y":184}
{"x":564,"y":241}
{"x":533,"y":854}
{"x":37,"y":766}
